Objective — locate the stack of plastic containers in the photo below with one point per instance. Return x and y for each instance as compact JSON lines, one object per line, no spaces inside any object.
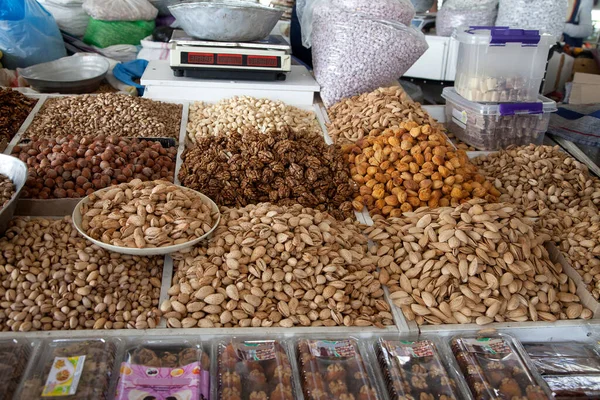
{"x":495,"y":102}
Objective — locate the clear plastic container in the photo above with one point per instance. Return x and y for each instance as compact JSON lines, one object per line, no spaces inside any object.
{"x":415,"y":368}
{"x":14,"y":356}
{"x":70,"y":369}
{"x":490,"y":127}
{"x":164,"y":369}
{"x":497,"y":64}
{"x":334,"y":370}
{"x":494,"y":368}
{"x":254,"y":370}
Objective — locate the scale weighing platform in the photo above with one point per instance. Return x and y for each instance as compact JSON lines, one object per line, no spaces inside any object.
{"x":266,"y":60}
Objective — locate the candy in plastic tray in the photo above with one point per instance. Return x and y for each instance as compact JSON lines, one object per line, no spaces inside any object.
{"x":334,"y":370}
{"x":414,"y":369}
{"x":165,"y":369}
{"x":494,"y":369}
{"x":14,"y":355}
{"x":254,"y":370}
{"x":70,"y":369}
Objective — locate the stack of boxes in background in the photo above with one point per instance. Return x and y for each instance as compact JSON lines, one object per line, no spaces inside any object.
{"x":496,"y":101}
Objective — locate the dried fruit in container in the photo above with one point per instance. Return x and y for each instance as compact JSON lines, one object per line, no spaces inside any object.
{"x":254,"y":370}
{"x":165,"y":369}
{"x":334,"y":370}
{"x":494,"y":369}
{"x":70,"y":369}
{"x":14,"y":355}
{"x":414,"y":368}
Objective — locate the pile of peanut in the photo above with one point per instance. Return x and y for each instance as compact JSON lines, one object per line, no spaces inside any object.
{"x":355,"y":118}
{"x":267,"y":265}
{"x":147,"y":215}
{"x":412,"y":166}
{"x":239,"y":114}
{"x":478,"y":263}
{"x":7,"y":190}
{"x":53,"y":279}
{"x":562,"y":196}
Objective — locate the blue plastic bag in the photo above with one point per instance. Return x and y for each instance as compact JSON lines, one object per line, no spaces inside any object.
{"x":28,"y":34}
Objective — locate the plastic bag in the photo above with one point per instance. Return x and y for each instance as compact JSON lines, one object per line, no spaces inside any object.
{"x":469,"y":4}
{"x":70,"y":17}
{"x":107,"y":33}
{"x":548,"y":16}
{"x":28,"y":34}
{"x":353,"y":54}
{"x":152,"y":50}
{"x":120,"y":10}
{"x":448,"y":19}
{"x":422,"y":5}
{"x":162,"y":6}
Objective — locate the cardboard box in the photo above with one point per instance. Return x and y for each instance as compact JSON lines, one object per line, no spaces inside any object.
{"x":586,"y":89}
{"x":586,"y":66}
{"x":559,"y":72}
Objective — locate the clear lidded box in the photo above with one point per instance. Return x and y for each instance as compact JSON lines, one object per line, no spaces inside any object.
{"x":70,"y":369}
{"x":164,"y":368}
{"x":498,"y":64}
{"x":14,"y":356}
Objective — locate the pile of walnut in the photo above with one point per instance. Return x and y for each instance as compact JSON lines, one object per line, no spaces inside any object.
{"x":283,"y":168}
{"x":357,"y":117}
{"x":147,"y":215}
{"x":479,"y":263}
{"x":562,"y":196}
{"x":412,"y":166}
{"x":7,"y":190}
{"x":52,"y":279}
{"x":278,"y":266}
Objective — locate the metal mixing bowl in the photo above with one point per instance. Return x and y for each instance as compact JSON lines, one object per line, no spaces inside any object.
{"x":226,"y":21}
{"x":80,"y":74}
{"x":16,"y":170}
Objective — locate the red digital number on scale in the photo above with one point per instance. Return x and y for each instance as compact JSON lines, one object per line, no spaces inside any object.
{"x":201,"y":58}
{"x":229,"y":59}
{"x":262,"y":61}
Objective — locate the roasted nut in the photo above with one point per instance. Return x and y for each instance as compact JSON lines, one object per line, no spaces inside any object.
{"x":107,"y":114}
{"x":54,"y":279}
{"x":69,"y":167}
{"x":283,"y":167}
{"x":147,"y":215}
{"x":14,"y":109}
{"x":239,"y":114}
{"x":479,"y":260}
{"x":7,"y":190}
{"x":279,"y":266}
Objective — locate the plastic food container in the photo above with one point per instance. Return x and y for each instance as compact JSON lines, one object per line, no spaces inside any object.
{"x":164,"y":369}
{"x":70,"y":369}
{"x":494,"y":368}
{"x":256,"y":370}
{"x":14,"y":355}
{"x":491,"y":127}
{"x":334,"y":369}
{"x":571,"y":370}
{"x":414,"y":368}
{"x":498,"y":64}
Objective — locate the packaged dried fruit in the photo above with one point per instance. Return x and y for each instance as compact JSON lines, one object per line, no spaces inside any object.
{"x":494,"y":369}
{"x":254,"y":370}
{"x":414,"y":368}
{"x":14,"y":355}
{"x":164,"y":369}
{"x":334,"y":370}
{"x":574,"y":387}
{"x":70,"y":369}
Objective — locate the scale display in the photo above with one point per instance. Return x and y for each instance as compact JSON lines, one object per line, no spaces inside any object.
{"x":230,"y":60}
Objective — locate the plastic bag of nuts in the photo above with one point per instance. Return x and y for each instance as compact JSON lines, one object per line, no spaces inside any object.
{"x":255,"y":370}
{"x":334,"y":369}
{"x":168,"y":368}
{"x":71,"y":369}
{"x":403,"y":169}
{"x":73,"y":168}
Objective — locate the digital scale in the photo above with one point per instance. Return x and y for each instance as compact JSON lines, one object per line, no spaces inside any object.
{"x":266,"y":60}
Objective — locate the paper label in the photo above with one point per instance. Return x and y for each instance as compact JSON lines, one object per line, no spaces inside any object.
{"x":140,"y":382}
{"x":332,"y":348}
{"x":256,"y":351}
{"x":487,"y":346}
{"x":64,"y":376}
{"x":460,"y":118}
{"x":413,"y":349}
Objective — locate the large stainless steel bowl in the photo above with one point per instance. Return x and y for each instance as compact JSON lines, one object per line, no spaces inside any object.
{"x":226,"y":21}
{"x":76,"y":74}
{"x":16,"y":170}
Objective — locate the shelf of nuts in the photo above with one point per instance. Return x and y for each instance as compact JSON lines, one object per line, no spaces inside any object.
{"x":53,"y":279}
{"x":399,"y":170}
{"x":67,"y":167}
{"x":479,"y":263}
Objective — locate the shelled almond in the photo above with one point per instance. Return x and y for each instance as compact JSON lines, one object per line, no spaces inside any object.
{"x":477,"y":263}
